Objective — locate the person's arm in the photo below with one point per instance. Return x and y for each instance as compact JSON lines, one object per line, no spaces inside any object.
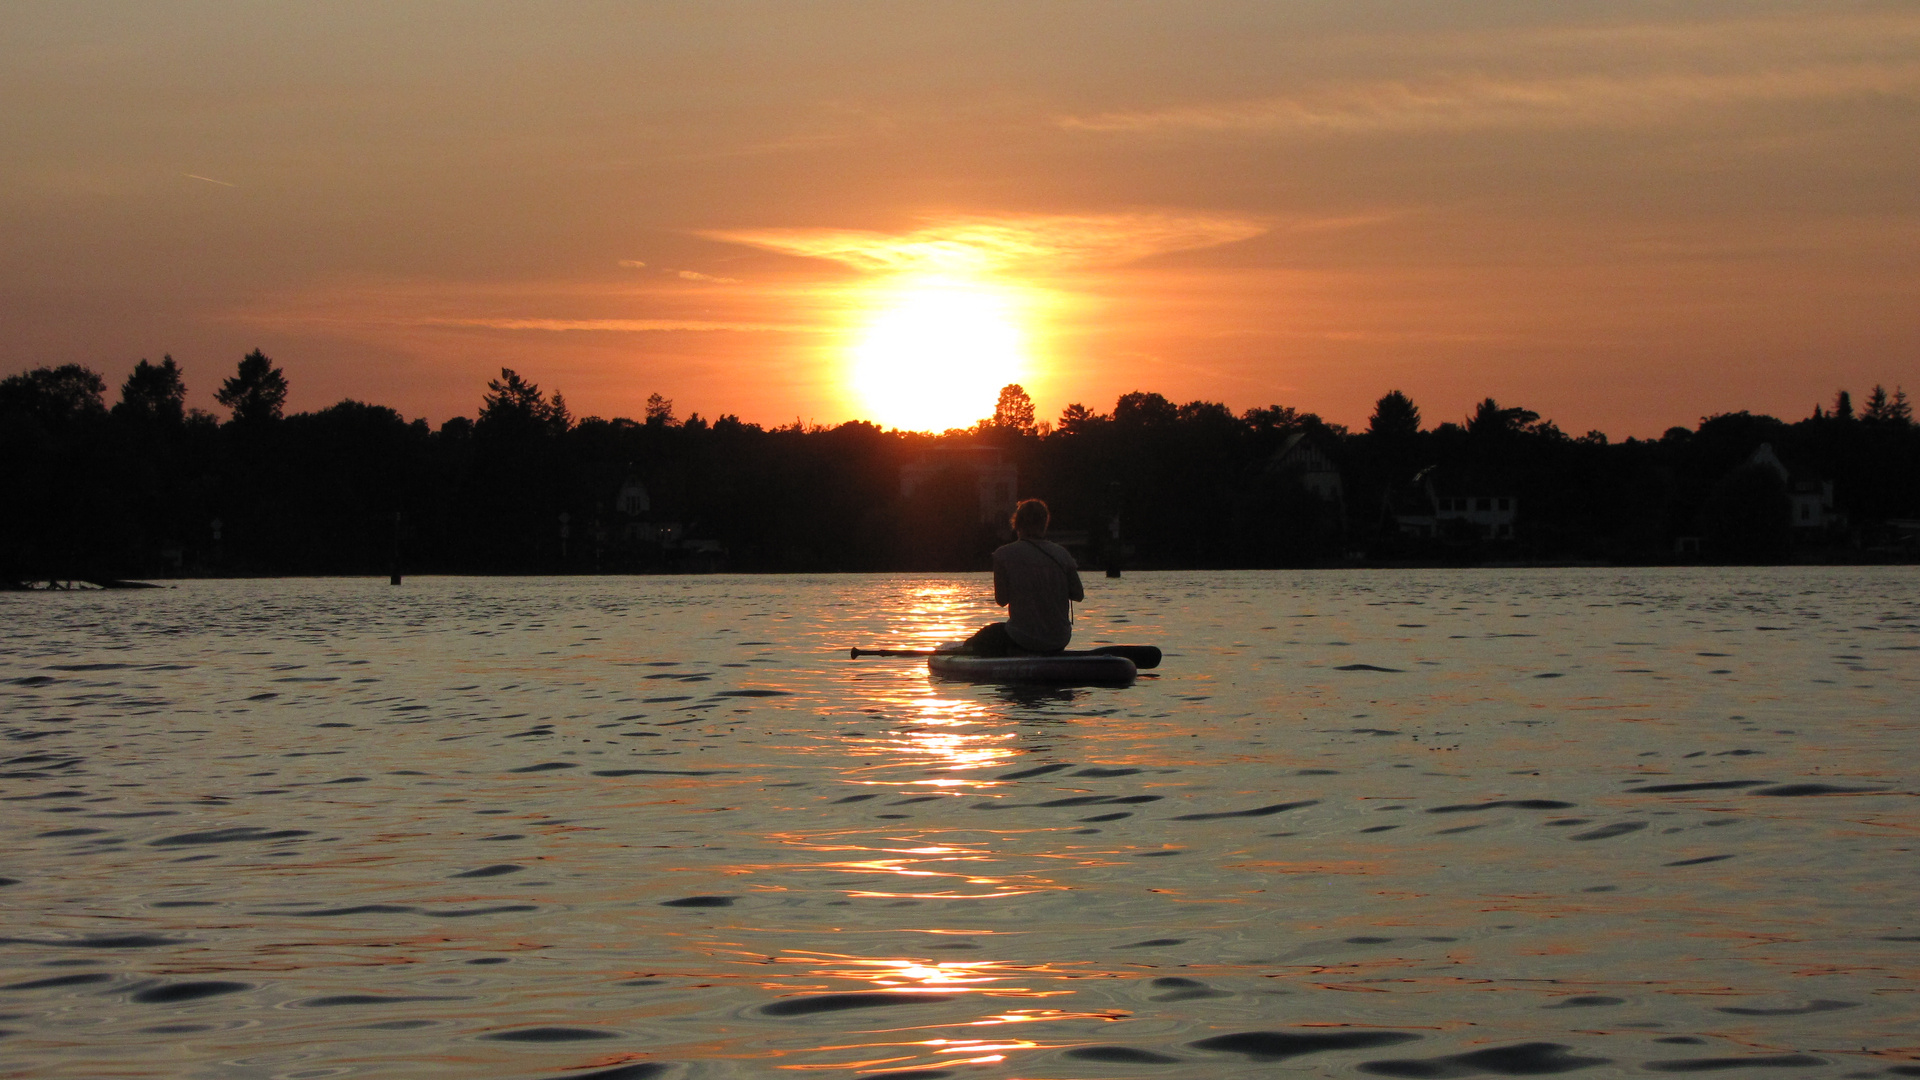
{"x":1000,"y":596}
{"x":1075,"y":591}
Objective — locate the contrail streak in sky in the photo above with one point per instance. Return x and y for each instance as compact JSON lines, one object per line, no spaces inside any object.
{"x":208,"y":179}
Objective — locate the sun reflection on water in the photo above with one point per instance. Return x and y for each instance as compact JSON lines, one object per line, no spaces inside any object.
{"x":940,"y":730}
{"x":940,"y":733}
{"x":919,"y":974}
{"x":939,"y":612}
{"x":931,"y":863}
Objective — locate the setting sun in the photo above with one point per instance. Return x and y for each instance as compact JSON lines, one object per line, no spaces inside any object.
{"x":934,"y":352}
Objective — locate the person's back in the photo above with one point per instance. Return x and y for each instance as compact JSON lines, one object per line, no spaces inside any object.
{"x":1035,"y":580}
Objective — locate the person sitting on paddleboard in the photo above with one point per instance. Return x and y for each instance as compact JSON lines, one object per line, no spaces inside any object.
{"x":1034,"y":579}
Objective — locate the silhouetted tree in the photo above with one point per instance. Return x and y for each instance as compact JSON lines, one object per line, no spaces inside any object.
{"x":1392,"y":451}
{"x":317,"y":492}
{"x":61,"y":475}
{"x":1076,"y":418}
{"x":1843,"y":406}
{"x":1143,"y":409}
{"x":1491,"y":419}
{"x":1395,"y":418}
{"x":1280,"y":418}
{"x":154,"y":392}
{"x":1014,"y":411}
{"x":1747,"y":518}
{"x":514,"y":406}
{"x":1884,"y":408}
{"x":1204,"y":412}
{"x":54,"y":394}
{"x":257,"y":390}
{"x":1737,"y":433}
{"x":659,"y":411}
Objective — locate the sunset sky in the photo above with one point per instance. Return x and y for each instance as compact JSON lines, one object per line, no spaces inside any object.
{"x":1621,"y":215}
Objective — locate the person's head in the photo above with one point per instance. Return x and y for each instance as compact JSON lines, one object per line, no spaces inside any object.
{"x":1030,"y":518}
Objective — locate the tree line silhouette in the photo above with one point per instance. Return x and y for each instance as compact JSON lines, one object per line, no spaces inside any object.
{"x":147,"y":487}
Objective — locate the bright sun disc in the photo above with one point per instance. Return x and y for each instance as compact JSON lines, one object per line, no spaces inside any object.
{"x":934,"y":354}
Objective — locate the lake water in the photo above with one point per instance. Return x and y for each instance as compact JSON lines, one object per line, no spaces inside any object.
{"x":1405,"y":824}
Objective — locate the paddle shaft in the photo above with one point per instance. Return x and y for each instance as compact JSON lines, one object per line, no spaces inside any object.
{"x":859,"y":652}
{"x":1143,"y":656}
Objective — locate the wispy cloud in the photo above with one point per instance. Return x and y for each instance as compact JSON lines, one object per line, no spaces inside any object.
{"x":623,"y":326}
{"x":683,"y":275}
{"x":1586,"y":73}
{"x":1484,"y":101}
{"x":452,"y":306}
{"x":985,"y":245}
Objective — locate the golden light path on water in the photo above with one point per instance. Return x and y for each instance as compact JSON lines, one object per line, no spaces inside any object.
{"x":954,"y":738}
{"x":1422,"y":823}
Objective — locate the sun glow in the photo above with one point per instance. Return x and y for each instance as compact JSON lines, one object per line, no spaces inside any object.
{"x":934,"y":352}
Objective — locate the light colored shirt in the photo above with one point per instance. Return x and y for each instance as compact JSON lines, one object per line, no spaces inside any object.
{"x":1034,"y":580}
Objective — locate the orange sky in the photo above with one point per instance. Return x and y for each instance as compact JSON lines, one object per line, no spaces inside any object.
{"x":1623,"y":216}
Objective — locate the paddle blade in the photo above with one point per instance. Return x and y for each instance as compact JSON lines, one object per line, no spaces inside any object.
{"x":1144,"y":657}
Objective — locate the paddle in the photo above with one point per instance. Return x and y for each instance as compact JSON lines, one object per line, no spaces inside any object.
{"x":1144,"y":657}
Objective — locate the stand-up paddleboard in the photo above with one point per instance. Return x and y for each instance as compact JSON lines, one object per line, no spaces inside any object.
{"x":1085,"y":668}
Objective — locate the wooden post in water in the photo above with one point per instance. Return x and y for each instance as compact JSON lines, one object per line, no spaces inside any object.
{"x":1113,"y":532}
{"x":393,"y":576}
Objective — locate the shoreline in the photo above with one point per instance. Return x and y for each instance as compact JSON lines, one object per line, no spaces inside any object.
{"x":78,"y":584}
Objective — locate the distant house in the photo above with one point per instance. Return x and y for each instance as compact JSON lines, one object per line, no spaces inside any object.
{"x":632,"y":499}
{"x":1434,"y":506}
{"x":638,"y":539}
{"x":634,"y":506}
{"x":1809,"y":497}
{"x":996,"y":482}
{"x":1490,"y":517}
{"x":1302,"y":460}
{"x":1410,"y":509}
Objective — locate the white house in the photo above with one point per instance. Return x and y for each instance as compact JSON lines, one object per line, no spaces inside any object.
{"x":1490,"y":516}
{"x":1302,"y":460}
{"x":1810,"y":498}
{"x":1445,"y":509}
{"x":632,"y":499}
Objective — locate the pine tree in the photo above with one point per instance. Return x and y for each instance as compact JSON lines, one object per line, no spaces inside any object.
{"x":1395,"y":417}
{"x":256,"y":392}
{"x":514,"y":405}
{"x":154,"y":392}
{"x":1885,"y":408}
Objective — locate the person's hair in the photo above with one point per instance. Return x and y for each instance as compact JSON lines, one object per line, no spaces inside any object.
{"x":1031,"y":516}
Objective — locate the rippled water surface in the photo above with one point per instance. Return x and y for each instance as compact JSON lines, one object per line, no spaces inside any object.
{"x":1413,"y":824}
